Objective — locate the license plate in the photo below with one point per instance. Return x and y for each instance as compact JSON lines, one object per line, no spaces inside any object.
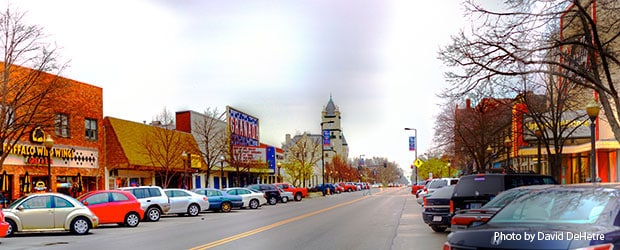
{"x":475,"y":205}
{"x":436,"y":218}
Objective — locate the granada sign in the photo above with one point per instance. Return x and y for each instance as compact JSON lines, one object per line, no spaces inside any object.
{"x":242,"y":128}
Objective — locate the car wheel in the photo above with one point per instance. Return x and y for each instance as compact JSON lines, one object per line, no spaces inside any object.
{"x":284,"y":199}
{"x":12,"y":228}
{"x":80,"y":226}
{"x":226,"y":207}
{"x":253,"y":204}
{"x":298,"y":197}
{"x":273,"y":200}
{"x":153,"y":214}
{"x":132,"y":219}
{"x":438,"y":229}
{"x":193,"y":210}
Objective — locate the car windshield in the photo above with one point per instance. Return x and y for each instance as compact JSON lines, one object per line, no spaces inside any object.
{"x":438,"y":183}
{"x":556,"y":206}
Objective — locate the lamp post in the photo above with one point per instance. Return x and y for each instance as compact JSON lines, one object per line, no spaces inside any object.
{"x":278,"y":166}
{"x":592,"y":108}
{"x":323,"y":149}
{"x":222,"y":171}
{"x":415,"y":148}
{"x":49,"y":143}
{"x":538,"y":137}
{"x":490,"y":151}
{"x":187,"y":159}
{"x":507,"y":144}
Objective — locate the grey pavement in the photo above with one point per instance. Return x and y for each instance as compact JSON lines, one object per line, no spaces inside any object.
{"x":413,"y":233}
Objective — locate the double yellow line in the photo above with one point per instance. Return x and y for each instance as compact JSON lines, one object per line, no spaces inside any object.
{"x":274,"y":225}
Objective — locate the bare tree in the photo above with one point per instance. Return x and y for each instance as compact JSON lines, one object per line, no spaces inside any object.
{"x":25,"y":88}
{"x":574,"y":41}
{"x":210,"y":132}
{"x":165,"y":146}
{"x":303,"y":153}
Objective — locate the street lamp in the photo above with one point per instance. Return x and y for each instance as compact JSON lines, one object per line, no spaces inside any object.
{"x":49,"y":143}
{"x":592,"y":108}
{"x":222,"y":171}
{"x":186,"y":156}
{"x":490,"y":151}
{"x":323,"y":151}
{"x":507,"y":144}
{"x":538,"y":136}
{"x":278,"y":166}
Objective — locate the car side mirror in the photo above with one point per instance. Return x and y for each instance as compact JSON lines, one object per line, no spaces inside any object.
{"x":20,"y":208}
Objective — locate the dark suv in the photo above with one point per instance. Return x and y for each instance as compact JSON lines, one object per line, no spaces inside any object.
{"x":272,"y":192}
{"x":473,"y":191}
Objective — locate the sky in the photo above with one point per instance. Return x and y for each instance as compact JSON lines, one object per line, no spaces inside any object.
{"x":279,"y":61}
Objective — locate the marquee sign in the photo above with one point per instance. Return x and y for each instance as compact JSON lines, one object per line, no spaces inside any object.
{"x":242,"y":128}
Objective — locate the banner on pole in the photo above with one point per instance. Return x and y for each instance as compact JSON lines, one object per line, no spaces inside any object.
{"x":412,"y":145}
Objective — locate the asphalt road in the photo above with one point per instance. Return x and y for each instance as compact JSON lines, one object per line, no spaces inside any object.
{"x":388,"y":219}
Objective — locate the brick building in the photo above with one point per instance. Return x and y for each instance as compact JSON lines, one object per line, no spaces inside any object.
{"x":73,"y":118}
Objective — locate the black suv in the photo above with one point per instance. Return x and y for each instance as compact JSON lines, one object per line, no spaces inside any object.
{"x":272,"y":192}
{"x":473,"y":191}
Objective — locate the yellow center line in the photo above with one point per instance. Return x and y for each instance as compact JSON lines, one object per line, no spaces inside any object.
{"x":274,"y":225}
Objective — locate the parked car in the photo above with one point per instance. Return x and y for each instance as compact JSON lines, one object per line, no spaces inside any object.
{"x":272,"y":192}
{"x":298,"y":193}
{"x":578,"y":216}
{"x":114,"y":206}
{"x":417,"y":186}
{"x":219,"y":200}
{"x":338,"y":188}
{"x":434,"y":184}
{"x":251,"y":199}
{"x":4,"y":226}
{"x":152,"y":199}
{"x":186,"y":202}
{"x":49,"y":211}
{"x":286,"y":196}
{"x":473,"y":191}
{"x":348,"y":186}
{"x":473,"y":217}
{"x":324,"y":187}
{"x":436,"y":212}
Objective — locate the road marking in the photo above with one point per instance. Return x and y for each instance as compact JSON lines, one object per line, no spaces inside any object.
{"x":274,"y":225}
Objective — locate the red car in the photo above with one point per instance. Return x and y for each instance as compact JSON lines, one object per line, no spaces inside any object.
{"x":418,"y":186}
{"x":4,"y":226}
{"x":114,"y":206}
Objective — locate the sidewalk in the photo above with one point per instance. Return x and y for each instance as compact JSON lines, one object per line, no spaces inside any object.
{"x":412,"y":233}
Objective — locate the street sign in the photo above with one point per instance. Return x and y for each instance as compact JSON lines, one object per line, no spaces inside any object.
{"x":418,"y":163}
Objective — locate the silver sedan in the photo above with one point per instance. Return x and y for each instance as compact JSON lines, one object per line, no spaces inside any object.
{"x":186,"y":202}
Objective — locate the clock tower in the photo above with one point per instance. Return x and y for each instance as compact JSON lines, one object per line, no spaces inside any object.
{"x":331,"y":121}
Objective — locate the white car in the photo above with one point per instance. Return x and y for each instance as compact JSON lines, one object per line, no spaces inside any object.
{"x":251,"y":199}
{"x":285,"y":196}
{"x":186,"y":202}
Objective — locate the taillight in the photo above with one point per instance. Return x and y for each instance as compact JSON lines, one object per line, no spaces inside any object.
{"x":424,"y":199}
{"x":607,"y":246}
{"x":446,"y":246}
{"x":451,"y":207}
{"x":204,"y":198}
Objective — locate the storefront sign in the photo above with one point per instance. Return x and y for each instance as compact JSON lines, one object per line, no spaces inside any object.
{"x":37,"y":135}
{"x":60,"y":156}
{"x":243,"y":128}
{"x":574,"y":124}
{"x":250,"y":154}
